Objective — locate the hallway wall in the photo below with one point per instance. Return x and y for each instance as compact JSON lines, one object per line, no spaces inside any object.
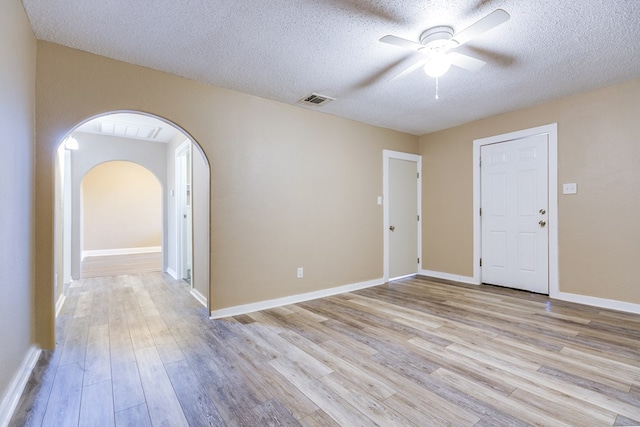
{"x":17,"y":250}
{"x":200,"y":187}
{"x":121,"y":207}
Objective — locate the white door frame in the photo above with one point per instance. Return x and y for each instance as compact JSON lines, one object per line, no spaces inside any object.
{"x":552,"y":131}
{"x":387,"y":155}
{"x":180,"y":152}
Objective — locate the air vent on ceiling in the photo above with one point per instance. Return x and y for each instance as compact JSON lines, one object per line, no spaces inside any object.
{"x":317,"y":99}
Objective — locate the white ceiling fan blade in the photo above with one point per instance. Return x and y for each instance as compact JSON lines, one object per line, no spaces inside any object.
{"x":490,"y":21}
{"x":465,"y":62}
{"x":412,"y":68}
{"x":399,"y":41}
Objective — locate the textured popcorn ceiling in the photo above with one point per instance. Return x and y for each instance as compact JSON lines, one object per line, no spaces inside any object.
{"x":286,"y":49}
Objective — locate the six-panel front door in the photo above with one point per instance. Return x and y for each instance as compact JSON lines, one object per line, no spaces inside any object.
{"x":514,"y":204}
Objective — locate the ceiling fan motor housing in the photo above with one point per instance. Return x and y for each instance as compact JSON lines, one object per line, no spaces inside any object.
{"x":438,"y":39}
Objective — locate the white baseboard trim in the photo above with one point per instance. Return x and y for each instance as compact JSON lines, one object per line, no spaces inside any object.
{"x":406,"y":276}
{"x":60,"y":303}
{"x":16,"y":387}
{"x":197,"y":295}
{"x":122,"y":251}
{"x":293,"y":299}
{"x":598,"y":302}
{"x":564,"y":296}
{"x":446,"y":276}
{"x":172,"y":273}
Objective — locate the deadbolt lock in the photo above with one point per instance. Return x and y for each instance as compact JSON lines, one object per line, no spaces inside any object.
{"x":542,"y":211}
{"x":392,"y":228}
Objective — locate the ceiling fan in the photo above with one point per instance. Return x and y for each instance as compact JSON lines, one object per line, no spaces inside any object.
{"x":438,"y":42}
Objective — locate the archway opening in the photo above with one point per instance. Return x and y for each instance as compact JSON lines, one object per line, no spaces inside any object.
{"x":128,"y":138}
{"x":120,"y":220}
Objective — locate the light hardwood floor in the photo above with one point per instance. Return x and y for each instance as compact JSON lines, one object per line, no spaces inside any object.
{"x":138,"y":350}
{"x":114,"y":265}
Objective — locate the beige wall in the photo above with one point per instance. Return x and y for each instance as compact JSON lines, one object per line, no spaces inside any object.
{"x":17,"y":119}
{"x":599,"y":228}
{"x":290,"y":187}
{"x":121,"y":207}
{"x":201,"y":231}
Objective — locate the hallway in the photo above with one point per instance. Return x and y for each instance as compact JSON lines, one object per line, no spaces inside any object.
{"x":112,"y":341}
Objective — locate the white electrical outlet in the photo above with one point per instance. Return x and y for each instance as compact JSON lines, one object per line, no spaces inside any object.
{"x":300,"y":272}
{"x":570,"y":188}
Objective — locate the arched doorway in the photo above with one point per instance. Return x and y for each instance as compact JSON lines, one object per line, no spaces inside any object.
{"x":146,"y":140}
{"x":120,"y":220}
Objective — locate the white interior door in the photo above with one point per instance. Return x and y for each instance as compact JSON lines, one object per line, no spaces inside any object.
{"x":403,"y":218}
{"x":514,"y":205}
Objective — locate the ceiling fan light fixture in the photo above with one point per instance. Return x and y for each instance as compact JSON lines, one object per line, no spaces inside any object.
{"x":436,"y":42}
{"x":437,"y":66}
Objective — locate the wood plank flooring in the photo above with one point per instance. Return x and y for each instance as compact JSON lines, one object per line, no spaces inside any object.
{"x":114,"y":265}
{"x":138,"y":350}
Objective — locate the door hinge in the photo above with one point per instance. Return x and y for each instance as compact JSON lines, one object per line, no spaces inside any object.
{"x":418,"y":175}
{"x":480,"y":262}
{"x":418,"y":260}
{"x":418,"y":217}
{"x":480,"y":211}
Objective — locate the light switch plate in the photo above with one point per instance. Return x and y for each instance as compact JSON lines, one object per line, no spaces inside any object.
{"x":379,"y":200}
{"x":570,"y":188}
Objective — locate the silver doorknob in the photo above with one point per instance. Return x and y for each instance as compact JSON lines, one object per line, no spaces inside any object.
{"x":542,"y":223}
{"x":392,"y":228}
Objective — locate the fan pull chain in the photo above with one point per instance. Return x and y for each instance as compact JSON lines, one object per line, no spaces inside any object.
{"x":437,"y":89}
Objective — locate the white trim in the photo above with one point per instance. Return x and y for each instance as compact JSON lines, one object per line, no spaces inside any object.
{"x":554,"y":262}
{"x":447,"y":276}
{"x":293,"y":299}
{"x":197,"y":295}
{"x":66,"y":286}
{"x":122,"y":251}
{"x":386,"y":156}
{"x":181,"y":151}
{"x":551,"y":130}
{"x":563,"y":296}
{"x":172,"y":273}
{"x":599,"y":302}
{"x":402,"y":277}
{"x":60,"y":303}
{"x":16,"y":387}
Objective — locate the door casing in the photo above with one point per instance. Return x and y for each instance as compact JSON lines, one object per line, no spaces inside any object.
{"x":184,"y":240}
{"x":551,"y":130}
